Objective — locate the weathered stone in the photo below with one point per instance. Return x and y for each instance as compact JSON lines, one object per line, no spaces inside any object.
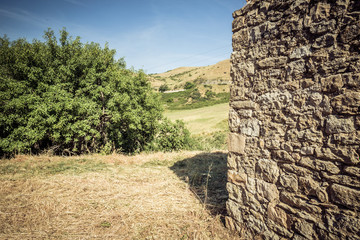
{"x":234,"y":210}
{"x":236,"y":143}
{"x":267,"y":190}
{"x":272,"y":62}
{"x":307,"y":151}
{"x":339,"y":125}
{"x":323,"y":27}
{"x":232,"y":162}
{"x":295,"y":102}
{"x":342,"y":179}
{"x":347,"y":139}
{"x":324,"y":41}
{"x":273,"y":144}
{"x":297,"y":202}
{"x":234,"y":192}
{"x":296,"y":68}
{"x":325,"y":153}
{"x":300,"y":171}
{"x":347,"y":103}
{"x":240,"y":38}
{"x":277,"y":214}
{"x":289,"y":182}
{"x":243,"y":105}
{"x":238,"y":23}
{"x":322,"y":11}
{"x":339,"y":220}
{"x":267,"y":170}
{"x":319,"y":165}
{"x":310,"y":135}
{"x":332,"y":84}
{"x":300,"y":52}
{"x":345,"y":195}
{"x":346,"y":154}
{"x":249,"y":127}
{"x":234,"y":120}
{"x":354,"y":171}
{"x":236,"y":177}
{"x":312,"y":188}
{"x":304,"y":228}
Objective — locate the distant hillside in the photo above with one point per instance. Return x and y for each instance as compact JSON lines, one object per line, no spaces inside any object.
{"x":217,"y":74}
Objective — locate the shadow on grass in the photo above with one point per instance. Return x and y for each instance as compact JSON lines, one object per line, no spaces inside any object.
{"x":206,"y":174}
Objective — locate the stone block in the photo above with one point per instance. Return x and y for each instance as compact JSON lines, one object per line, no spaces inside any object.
{"x":319,"y":165}
{"x":322,"y":11}
{"x":312,"y":188}
{"x":234,"y":120}
{"x":277,"y":215}
{"x":275,"y":62}
{"x":236,"y":143}
{"x":337,"y":220}
{"x":267,"y":190}
{"x":345,"y":196}
{"x":240,"y":38}
{"x":324,"y":41}
{"x":339,"y":125}
{"x":350,"y":181}
{"x":354,"y":171}
{"x":235,"y":193}
{"x":323,"y":27}
{"x":267,"y":170}
{"x":244,"y":105}
{"x":332,"y":84}
{"x":300,"y":52}
{"x":250,"y":127}
{"x":297,"y":202}
{"x":236,"y":177}
{"x":289,"y":182}
{"x":347,"y":103}
{"x":238,"y":23}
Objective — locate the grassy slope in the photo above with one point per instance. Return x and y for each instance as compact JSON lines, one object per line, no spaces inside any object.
{"x":203,"y":120}
{"x":176,"y":78}
{"x":148,"y":196}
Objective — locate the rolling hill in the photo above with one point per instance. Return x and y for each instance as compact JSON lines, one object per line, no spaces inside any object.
{"x":217,"y":74}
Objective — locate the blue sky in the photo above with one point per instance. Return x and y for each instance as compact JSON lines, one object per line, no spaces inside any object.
{"x":154,"y":35}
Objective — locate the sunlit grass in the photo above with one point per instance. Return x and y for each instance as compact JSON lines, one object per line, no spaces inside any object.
{"x":146,"y":196}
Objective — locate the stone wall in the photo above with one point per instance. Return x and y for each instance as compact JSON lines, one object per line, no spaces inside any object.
{"x":293,"y":164}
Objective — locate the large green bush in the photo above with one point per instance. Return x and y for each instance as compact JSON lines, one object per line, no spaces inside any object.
{"x":72,"y":98}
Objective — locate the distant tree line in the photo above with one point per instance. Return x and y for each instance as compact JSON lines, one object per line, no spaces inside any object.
{"x":71,"y":98}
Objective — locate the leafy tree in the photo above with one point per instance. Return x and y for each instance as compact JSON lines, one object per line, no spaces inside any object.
{"x":72,"y":98}
{"x":189,"y":85}
{"x":164,"y":88}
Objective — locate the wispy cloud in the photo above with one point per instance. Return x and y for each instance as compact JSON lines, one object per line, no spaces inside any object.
{"x":24,"y":16}
{"x":76,"y":2}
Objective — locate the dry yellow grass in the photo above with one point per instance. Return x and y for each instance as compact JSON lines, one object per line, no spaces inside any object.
{"x":178,"y":76}
{"x":148,"y":196}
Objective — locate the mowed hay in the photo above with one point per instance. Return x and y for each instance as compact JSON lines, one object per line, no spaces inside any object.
{"x":105,"y":197}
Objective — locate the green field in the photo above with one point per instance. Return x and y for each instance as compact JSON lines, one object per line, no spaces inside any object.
{"x":203,"y":120}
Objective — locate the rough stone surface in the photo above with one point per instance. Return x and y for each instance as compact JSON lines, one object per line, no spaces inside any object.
{"x":294,"y":146}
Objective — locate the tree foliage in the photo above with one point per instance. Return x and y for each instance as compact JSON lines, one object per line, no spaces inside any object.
{"x":72,"y":98}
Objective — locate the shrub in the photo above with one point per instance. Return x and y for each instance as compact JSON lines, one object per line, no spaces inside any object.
{"x":164,"y":88}
{"x":72,"y":98}
{"x":189,"y":85}
{"x":171,"y":136}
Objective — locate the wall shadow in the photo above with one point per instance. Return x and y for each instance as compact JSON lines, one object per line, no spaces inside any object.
{"x":206,"y":175}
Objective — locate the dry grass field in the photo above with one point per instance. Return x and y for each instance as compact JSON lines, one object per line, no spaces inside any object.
{"x":178,"y":76}
{"x":148,"y":196}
